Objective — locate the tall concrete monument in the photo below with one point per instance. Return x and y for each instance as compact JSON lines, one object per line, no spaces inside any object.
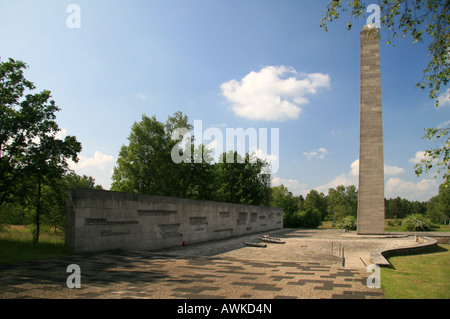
{"x":371,"y":163}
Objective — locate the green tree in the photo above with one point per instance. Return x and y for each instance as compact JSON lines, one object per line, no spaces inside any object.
{"x":141,"y":163}
{"x":29,"y":147}
{"x":438,"y":157}
{"x":316,"y":200}
{"x":162,"y":159}
{"x":342,"y":201}
{"x":146,"y":166}
{"x":242,"y":180}
{"x":309,"y":218}
{"x":283,"y":198}
{"x":13,"y":134}
{"x":438,"y":209}
{"x":72,"y":180}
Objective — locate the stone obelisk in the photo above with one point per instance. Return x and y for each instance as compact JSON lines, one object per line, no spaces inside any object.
{"x":371,"y":163}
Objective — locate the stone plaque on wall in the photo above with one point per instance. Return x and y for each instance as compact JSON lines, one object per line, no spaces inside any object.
{"x":198,"y":221}
{"x":169,"y":230}
{"x":155,"y":212}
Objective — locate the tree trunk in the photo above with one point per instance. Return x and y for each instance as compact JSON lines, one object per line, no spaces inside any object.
{"x":38,"y":211}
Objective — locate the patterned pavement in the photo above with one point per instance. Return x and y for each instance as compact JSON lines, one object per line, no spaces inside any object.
{"x":299,"y":269}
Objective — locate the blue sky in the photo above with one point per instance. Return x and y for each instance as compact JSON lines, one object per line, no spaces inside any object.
{"x":231,"y":64}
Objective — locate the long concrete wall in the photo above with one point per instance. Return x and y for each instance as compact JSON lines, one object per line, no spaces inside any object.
{"x":98,"y":220}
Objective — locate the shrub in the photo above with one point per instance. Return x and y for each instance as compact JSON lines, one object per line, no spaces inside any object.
{"x":310,"y":218}
{"x":348,"y":221}
{"x":416,"y":222}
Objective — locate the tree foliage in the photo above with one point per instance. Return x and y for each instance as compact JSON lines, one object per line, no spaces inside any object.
{"x":401,"y":207}
{"x":20,"y":210}
{"x":419,"y":19}
{"x":283,"y":198}
{"x":347,"y":222}
{"x":318,"y":201}
{"x":309,"y":218}
{"x":29,"y":147}
{"x":438,"y":157}
{"x":416,"y":222}
{"x":423,"y":21}
{"x":342,"y":201}
{"x":146,"y":166}
{"x":438,"y":208}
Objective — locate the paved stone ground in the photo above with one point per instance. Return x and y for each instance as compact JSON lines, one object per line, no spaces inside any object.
{"x":304,"y":267}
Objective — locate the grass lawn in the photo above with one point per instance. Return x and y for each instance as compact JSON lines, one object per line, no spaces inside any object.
{"x":16,"y":244}
{"x":424,"y":276}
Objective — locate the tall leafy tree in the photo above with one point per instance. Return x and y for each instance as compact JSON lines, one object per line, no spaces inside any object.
{"x":140,"y":165}
{"x":438,"y":209}
{"x":29,"y":147}
{"x":316,"y":200}
{"x":146,"y":166}
{"x":283,"y":198}
{"x":242,"y":180}
{"x":342,"y":201}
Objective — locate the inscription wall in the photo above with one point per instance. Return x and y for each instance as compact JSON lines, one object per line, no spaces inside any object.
{"x":99,"y":220}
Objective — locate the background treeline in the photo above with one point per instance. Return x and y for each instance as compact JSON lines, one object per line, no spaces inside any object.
{"x":341,"y":204}
{"x":145,"y":166}
{"x":20,"y":209}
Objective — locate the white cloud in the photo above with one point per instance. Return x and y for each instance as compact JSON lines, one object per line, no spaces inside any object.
{"x":420,"y":155}
{"x":346,"y":179}
{"x":421,"y":190}
{"x":336,"y":132}
{"x":99,"y":161}
{"x":417,"y":157}
{"x":272,"y":159}
{"x":61,"y":134}
{"x":352,"y":177}
{"x":354,"y":168}
{"x":394,"y":186}
{"x":100,"y":166}
{"x":317,"y":153}
{"x":393,"y":170}
{"x":445,"y":124}
{"x":389,"y":170}
{"x":444,"y":98}
{"x":294,"y":186}
{"x":142,"y":96}
{"x":273,"y":93}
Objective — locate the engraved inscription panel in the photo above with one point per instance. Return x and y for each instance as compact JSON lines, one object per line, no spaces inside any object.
{"x":198,"y":221}
{"x":104,"y":221}
{"x":155,"y":212}
{"x":109,"y":232}
{"x":242,"y":218}
{"x":224,"y":214}
{"x":169,"y":230}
